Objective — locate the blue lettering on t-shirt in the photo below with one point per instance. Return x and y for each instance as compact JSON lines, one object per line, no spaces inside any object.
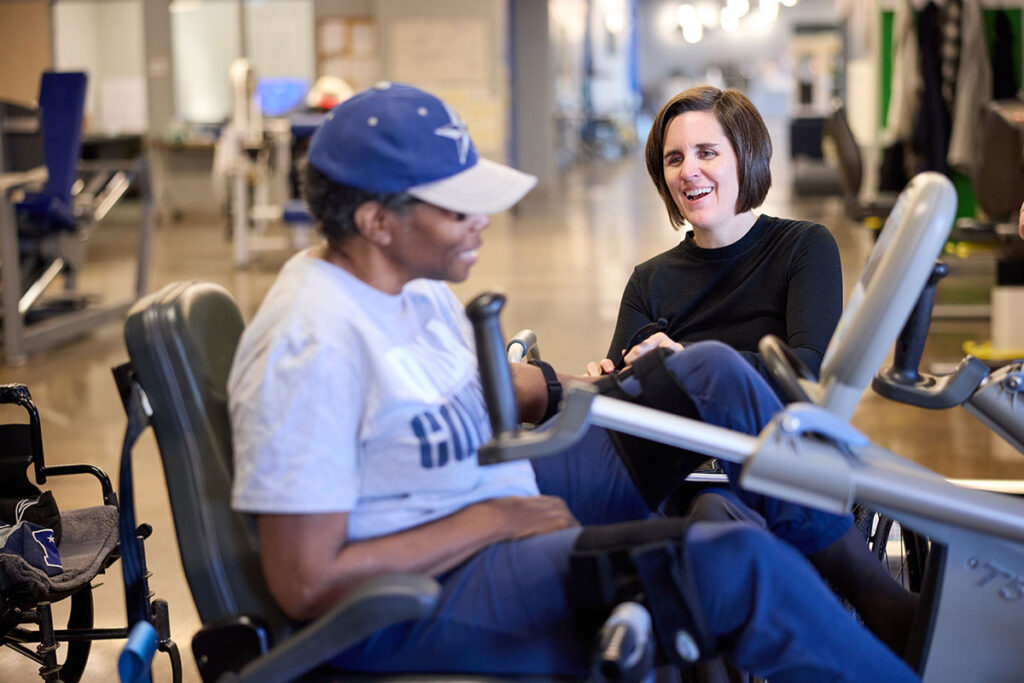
{"x":427,"y":443}
{"x":470,"y":424}
{"x":459,"y":452}
{"x":453,"y":426}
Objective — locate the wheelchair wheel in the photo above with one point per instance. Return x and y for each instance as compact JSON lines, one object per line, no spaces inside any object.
{"x":901,"y":550}
{"x":81,"y":617}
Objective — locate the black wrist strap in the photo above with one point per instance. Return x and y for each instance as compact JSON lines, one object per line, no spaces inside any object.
{"x":554,"y":389}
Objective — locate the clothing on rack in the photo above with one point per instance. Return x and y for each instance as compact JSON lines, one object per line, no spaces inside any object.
{"x":931,"y":132}
{"x":973,"y":90}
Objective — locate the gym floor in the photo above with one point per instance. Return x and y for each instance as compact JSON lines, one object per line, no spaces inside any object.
{"x":562,"y":257}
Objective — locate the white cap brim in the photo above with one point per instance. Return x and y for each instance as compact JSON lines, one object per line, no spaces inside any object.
{"x":485,"y":188}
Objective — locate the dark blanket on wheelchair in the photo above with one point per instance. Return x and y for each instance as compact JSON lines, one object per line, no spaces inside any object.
{"x":89,"y":536}
{"x":41,"y":510}
{"x":657,"y":469}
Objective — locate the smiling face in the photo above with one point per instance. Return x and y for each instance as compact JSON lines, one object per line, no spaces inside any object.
{"x":701,"y":172}
{"x":435,"y":243}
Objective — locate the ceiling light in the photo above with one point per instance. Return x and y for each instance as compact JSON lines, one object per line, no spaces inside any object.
{"x":686,"y":15}
{"x":614,"y":21}
{"x":730,"y":22}
{"x":738,"y":7}
{"x":707,"y":11}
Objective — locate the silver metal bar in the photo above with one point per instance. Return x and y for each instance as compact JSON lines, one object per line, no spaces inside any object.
{"x":240,"y":214}
{"x":522,"y":346}
{"x":925,"y":495}
{"x":111,"y":194}
{"x":59,"y":329}
{"x":879,"y":477}
{"x":143,"y":182}
{"x":694,"y":435}
{"x":11,"y":262}
{"x":39,"y":286}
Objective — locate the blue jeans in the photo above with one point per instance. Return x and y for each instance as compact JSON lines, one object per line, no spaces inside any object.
{"x":506,"y":609}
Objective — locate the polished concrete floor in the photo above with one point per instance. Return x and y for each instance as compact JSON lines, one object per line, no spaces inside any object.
{"x":562,"y":257}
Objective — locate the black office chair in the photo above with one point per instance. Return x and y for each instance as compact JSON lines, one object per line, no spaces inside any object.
{"x":181,"y":341}
{"x":851,"y":170}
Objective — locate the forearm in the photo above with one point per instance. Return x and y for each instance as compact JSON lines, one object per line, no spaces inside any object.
{"x":430,"y":549}
{"x":309,"y":568}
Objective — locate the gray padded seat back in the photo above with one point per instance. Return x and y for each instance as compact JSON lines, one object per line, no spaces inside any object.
{"x":181,"y":341}
{"x":848,"y":153}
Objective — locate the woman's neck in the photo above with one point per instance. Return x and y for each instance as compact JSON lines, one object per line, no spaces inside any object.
{"x":726,"y":233}
{"x":363,"y":262}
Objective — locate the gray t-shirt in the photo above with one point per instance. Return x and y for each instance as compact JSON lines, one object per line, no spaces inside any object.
{"x":347,"y":399}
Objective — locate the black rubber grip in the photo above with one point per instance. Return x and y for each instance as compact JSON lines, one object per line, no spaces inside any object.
{"x":484,"y":312}
{"x":910,"y":345}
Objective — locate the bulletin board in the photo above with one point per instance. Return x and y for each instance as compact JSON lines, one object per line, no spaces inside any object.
{"x":441,"y":52}
{"x":348,"y":48}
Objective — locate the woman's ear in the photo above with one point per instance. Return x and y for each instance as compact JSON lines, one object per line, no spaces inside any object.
{"x":371,"y":219}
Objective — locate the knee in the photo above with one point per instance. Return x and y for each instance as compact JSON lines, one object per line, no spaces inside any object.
{"x":718,"y":362}
{"x":714,"y":352}
{"x":709,"y":507}
{"x":734,"y":553}
{"x":716,"y":505}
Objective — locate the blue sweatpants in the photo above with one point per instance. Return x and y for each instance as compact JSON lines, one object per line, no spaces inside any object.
{"x":506,"y":609}
{"x":731,"y":394}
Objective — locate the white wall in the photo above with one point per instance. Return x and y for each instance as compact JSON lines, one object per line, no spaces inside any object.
{"x":104,"y":39}
{"x":457,"y":50}
{"x":279,"y":38}
{"x":205,"y":39}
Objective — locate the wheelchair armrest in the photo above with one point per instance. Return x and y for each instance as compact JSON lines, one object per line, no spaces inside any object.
{"x":18,"y":394}
{"x":109,"y":497}
{"x":377,"y":603}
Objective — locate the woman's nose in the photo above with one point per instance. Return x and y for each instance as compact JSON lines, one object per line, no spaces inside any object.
{"x":480,"y":221}
{"x":689,"y":167}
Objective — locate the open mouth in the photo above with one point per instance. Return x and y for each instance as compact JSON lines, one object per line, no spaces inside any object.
{"x":469,"y":256}
{"x":694,"y":195}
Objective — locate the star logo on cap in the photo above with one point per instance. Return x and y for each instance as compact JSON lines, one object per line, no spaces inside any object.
{"x":455,"y":130}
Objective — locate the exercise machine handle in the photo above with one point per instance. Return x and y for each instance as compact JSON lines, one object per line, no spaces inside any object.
{"x":910,"y":345}
{"x":902,"y":381}
{"x":509,"y":441}
{"x":484,"y":312}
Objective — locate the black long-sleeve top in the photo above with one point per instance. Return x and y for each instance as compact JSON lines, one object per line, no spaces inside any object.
{"x":783,"y":278}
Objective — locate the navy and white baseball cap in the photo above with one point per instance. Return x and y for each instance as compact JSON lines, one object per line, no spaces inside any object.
{"x":397,"y":138}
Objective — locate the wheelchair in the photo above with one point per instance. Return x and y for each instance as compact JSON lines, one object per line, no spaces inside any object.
{"x":89,"y":544}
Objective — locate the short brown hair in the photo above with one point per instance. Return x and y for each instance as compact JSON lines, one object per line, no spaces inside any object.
{"x":745,"y":130}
